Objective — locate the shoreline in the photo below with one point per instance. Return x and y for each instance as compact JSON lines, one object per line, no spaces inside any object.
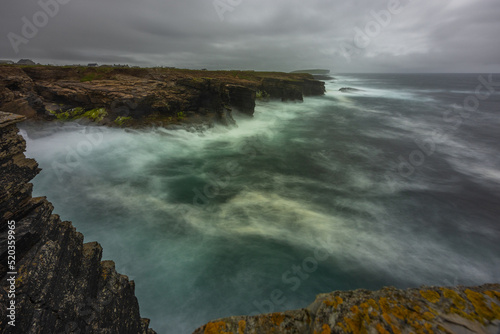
{"x":137,"y":97}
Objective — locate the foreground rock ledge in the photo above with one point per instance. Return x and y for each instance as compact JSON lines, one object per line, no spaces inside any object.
{"x":390,"y":310}
{"x":61,"y":284}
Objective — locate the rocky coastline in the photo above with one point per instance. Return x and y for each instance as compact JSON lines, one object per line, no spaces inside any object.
{"x":135,"y":97}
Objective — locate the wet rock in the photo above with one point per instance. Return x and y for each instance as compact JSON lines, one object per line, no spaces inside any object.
{"x":282,"y":89}
{"x":241,"y":98}
{"x":349,"y":90}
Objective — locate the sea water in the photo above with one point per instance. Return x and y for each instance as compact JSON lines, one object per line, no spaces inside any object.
{"x":397,"y":183}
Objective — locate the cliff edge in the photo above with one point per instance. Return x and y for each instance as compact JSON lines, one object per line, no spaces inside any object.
{"x":51,"y":281}
{"x":143,"y":96}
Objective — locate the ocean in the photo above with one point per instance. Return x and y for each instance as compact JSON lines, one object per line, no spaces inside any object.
{"x":396,"y":183}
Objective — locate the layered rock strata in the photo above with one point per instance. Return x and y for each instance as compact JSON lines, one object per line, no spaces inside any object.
{"x":58,"y":283}
{"x":135,"y":97}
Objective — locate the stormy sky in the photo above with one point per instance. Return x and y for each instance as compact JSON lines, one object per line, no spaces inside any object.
{"x":284,"y":35}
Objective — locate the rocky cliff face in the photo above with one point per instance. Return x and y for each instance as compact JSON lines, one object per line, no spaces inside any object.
{"x":60,"y":284}
{"x":117,"y":96}
{"x":425,"y":310}
{"x":17,"y":93}
{"x":292,"y":89}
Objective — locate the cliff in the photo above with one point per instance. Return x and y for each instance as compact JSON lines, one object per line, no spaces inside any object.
{"x":141,"y":96}
{"x":58,"y":283}
{"x":425,"y":310}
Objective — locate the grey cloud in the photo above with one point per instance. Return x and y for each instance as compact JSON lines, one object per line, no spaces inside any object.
{"x":458,"y":35}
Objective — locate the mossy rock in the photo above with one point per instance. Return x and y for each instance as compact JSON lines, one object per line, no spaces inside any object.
{"x":262,"y":95}
{"x":70,"y":114}
{"x":120,"y":120}
{"x":181,"y":115}
{"x":95,"y":115}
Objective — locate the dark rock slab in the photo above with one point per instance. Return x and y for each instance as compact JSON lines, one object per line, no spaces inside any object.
{"x":349,"y":90}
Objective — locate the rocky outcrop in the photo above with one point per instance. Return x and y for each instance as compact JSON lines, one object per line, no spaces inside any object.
{"x":312,"y":87}
{"x":58,"y":283}
{"x":459,"y":309}
{"x":291,"y":89}
{"x":17,"y":93}
{"x":277,"y":88}
{"x":134,"y":97}
{"x":242,"y":98}
{"x":349,"y":90}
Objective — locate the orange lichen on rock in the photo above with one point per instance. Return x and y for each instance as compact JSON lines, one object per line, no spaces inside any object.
{"x":216,"y":328}
{"x":384,"y":305}
{"x":397,"y":315}
{"x":493,"y":294}
{"x":242,"y":324}
{"x":496,"y":310}
{"x":480,"y":306}
{"x":427,"y":310}
{"x":278,"y":318}
{"x":335,"y":302}
{"x":359,"y":320}
{"x":381,"y":329}
{"x":428,"y":328}
{"x":428,"y":316}
{"x":387,"y":318}
{"x":325,"y":329}
{"x":457,"y":300}
{"x":373,"y":304}
{"x":430,"y":295}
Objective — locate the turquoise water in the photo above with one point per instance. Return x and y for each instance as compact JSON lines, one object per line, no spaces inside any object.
{"x":390,"y":185}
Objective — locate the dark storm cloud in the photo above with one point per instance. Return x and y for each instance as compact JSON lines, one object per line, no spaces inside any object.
{"x":456,"y":35}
